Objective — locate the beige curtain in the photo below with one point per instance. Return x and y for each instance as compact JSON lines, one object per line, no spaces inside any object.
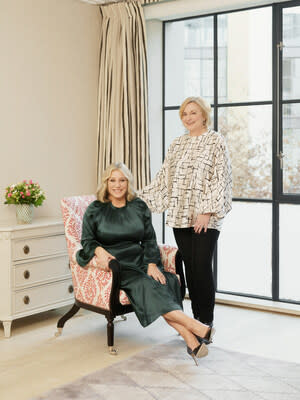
{"x":123,"y":124}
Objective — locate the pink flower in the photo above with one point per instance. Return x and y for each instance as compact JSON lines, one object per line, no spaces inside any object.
{"x":8,"y":194}
{"x":21,"y":193}
{"x":23,"y":197}
{"x":30,"y":182}
{"x":24,"y":181}
{"x":28,"y":193}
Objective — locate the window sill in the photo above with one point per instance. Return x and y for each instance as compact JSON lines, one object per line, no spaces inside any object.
{"x":258,"y":304}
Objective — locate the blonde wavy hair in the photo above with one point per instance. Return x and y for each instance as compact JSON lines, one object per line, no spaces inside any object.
{"x":204,"y":106}
{"x":102,"y":192}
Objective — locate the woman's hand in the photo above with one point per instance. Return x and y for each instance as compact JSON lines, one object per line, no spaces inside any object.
{"x":156,"y":274}
{"x":202,"y":222}
{"x":104,"y":258}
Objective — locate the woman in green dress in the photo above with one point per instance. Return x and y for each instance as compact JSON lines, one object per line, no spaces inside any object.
{"x":118,"y":226}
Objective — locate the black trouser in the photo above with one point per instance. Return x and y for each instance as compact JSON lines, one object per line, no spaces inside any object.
{"x":197,"y":253}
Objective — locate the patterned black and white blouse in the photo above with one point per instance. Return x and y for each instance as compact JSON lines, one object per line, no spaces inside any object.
{"x":195,"y":178}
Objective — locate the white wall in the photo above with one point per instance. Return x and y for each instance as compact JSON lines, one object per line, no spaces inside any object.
{"x":48,"y":98}
{"x":154,"y":55}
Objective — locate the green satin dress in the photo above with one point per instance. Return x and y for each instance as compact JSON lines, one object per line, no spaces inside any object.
{"x":127,"y":233}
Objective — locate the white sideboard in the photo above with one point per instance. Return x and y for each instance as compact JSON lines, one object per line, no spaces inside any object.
{"x":34,"y":269}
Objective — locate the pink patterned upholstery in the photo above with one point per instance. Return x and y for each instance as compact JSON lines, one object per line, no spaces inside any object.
{"x":91,"y":284}
{"x":167,"y":254}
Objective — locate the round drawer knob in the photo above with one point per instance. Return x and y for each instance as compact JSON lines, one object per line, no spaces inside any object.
{"x":71,"y":289}
{"x":26,"y":299}
{"x":26,"y":274}
{"x":26,"y":249}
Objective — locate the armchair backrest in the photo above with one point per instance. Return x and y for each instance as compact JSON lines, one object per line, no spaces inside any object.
{"x":73,"y":209}
{"x":91,"y":285}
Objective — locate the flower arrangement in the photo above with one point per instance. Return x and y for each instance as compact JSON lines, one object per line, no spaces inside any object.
{"x":26,"y":192}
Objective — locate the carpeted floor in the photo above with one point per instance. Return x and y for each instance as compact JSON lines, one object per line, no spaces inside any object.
{"x":166,"y":372}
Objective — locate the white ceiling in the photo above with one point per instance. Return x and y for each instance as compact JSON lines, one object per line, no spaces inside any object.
{"x":181,"y":8}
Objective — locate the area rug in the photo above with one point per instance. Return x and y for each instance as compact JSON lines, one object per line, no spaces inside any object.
{"x":166,"y":372}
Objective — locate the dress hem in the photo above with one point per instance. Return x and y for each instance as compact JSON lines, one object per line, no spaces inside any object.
{"x":158,"y":315}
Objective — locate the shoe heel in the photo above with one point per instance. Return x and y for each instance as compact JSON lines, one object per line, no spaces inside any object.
{"x":198,"y":352}
{"x":194,"y":358}
{"x":192,"y":354}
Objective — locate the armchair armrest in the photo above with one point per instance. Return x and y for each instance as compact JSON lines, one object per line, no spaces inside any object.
{"x":172,"y":262}
{"x":92,"y":263}
{"x":97,"y":287}
{"x":116,"y":282}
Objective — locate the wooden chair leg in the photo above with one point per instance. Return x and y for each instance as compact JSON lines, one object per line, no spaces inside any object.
{"x":110,"y":336}
{"x":61,"y":322}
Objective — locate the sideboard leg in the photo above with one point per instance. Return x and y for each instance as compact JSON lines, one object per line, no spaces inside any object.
{"x":7,"y":328}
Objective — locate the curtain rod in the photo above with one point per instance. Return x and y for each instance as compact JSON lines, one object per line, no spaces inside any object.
{"x":107,"y":2}
{"x":102,"y":2}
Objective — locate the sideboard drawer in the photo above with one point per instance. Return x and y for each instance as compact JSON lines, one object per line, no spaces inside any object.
{"x":40,"y":296}
{"x":28,"y":248}
{"x":40,"y":271}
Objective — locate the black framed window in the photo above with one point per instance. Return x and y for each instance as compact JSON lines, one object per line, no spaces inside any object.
{"x":246,"y":63}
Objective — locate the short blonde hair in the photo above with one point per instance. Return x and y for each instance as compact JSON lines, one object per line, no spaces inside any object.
{"x":205,"y":108}
{"x":102,"y":192}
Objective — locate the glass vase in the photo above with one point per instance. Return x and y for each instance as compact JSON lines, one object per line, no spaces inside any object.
{"x":24,"y":213}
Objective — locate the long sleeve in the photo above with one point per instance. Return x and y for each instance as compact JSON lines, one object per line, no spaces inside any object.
{"x":156,"y":194}
{"x":88,"y":238}
{"x":217,"y":196}
{"x":149,"y":244}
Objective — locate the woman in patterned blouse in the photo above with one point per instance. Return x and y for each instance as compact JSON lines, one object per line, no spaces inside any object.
{"x":194,"y":185}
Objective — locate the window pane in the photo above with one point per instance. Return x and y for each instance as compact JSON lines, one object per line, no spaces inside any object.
{"x":291,"y":53}
{"x":173,"y":127}
{"x":189,"y":60}
{"x":245,"y":56}
{"x":244,"y":250}
{"x":291,"y":148}
{"x":248,"y":131}
{"x":289,"y":260}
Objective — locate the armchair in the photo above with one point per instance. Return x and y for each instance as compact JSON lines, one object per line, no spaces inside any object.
{"x":95,"y":289}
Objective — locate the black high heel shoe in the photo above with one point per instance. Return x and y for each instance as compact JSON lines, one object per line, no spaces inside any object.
{"x":198,"y":352}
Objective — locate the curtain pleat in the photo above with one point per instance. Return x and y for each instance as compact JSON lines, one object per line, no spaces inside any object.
{"x":123,"y":122}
